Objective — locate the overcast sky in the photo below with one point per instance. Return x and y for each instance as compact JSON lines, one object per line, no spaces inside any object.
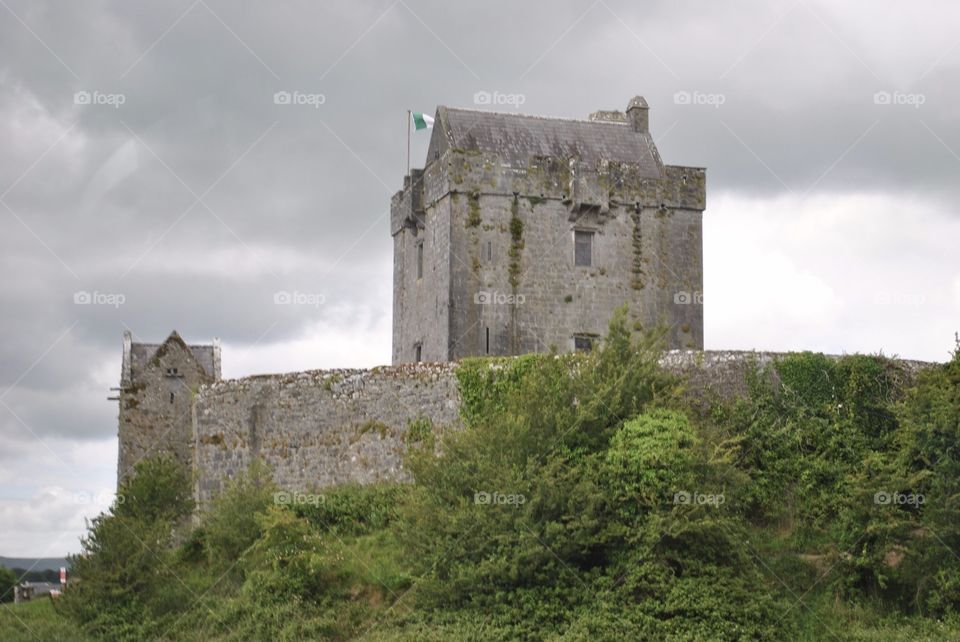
{"x":145,"y":161}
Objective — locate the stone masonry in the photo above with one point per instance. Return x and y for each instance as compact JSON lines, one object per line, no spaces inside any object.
{"x":523,"y":234}
{"x":157,"y":386}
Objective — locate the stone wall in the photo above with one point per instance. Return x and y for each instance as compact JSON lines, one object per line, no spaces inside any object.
{"x":318,"y":428}
{"x":323,"y":428}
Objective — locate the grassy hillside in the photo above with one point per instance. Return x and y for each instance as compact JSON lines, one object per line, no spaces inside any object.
{"x":585,"y":500}
{"x":37,"y":620}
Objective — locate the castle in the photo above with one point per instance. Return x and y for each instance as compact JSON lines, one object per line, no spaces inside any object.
{"x":521,"y":234}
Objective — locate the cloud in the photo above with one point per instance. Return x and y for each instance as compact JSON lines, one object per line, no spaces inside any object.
{"x":836,"y":273}
{"x":199,"y":198}
{"x":47,"y":498}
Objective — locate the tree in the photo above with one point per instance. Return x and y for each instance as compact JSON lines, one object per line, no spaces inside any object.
{"x":7,"y":581}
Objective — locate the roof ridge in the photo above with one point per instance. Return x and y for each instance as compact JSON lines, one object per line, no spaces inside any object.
{"x":535,"y":117}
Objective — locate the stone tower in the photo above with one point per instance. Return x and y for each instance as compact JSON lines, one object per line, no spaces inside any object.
{"x":525,"y":233}
{"x":157,"y":385}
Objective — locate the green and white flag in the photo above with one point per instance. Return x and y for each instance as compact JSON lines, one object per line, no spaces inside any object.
{"x":422,"y":121}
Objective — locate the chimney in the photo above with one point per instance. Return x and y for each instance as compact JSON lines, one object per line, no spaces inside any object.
{"x":216,"y":359}
{"x":639,"y":114}
{"x":126,"y":370}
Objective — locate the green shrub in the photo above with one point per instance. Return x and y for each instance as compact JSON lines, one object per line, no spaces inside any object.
{"x":353,"y":509}
{"x":581,"y":501}
{"x":7,"y":581}
{"x":125,"y":560}
{"x":231,"y":523}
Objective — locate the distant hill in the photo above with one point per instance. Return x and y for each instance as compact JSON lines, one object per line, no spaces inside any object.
{"x":34,"y":563}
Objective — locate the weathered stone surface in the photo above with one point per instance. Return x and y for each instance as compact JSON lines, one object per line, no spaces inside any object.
{"x":318,"y":428}
{"x":157,"y":385}
{"x":495,"y":211}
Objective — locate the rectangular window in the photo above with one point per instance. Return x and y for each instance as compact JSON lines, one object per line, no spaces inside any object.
{"x":582,"y":344}
{"x":582,"y":248}
{"x":418,"y":352}
{"x":488,"y":341}
{"x":488,"y":252}
{"x":420,"y":260}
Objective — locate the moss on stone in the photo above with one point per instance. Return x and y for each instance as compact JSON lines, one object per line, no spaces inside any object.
{"x":212,"y":440}
{"x":419,"y":430}
{"x":374,"y":425}
{"x":331,"y":381}
{"x":473,"y":214}
{"x":516,"y":243}
{"x":637,"y":282}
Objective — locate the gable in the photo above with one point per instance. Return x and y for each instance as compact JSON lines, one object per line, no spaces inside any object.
{"x":144,"y":356}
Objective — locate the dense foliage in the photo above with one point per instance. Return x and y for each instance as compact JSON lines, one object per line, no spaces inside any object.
{"x":8,"y":579}
{"x":587,"y":499}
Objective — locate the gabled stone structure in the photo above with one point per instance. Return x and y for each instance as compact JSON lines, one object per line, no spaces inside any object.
{"x":157,"y":386}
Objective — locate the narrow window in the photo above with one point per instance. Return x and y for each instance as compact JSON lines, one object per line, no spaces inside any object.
{"x":420,"y":260}
{"x":488,"y":341}
{"x":582,"y":344}
{"x":418,"y":352}
{"x":171,"y":397}
{"x":488,"y":252}
{"x":582,"y":248}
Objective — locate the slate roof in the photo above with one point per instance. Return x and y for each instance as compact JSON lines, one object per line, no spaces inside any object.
{"x":518,"y":137}
{"x":141,"y":353}
{"x":41,"y":588}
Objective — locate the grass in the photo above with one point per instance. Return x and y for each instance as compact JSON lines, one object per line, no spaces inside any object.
{"x":825,"y":620}
{"x":36,"y":620}
{"x":829,"y":620}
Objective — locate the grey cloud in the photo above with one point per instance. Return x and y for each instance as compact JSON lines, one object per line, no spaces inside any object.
{"x":293,"y":189}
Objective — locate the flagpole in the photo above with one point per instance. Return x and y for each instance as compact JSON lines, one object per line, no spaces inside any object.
{"x":408,"y":142}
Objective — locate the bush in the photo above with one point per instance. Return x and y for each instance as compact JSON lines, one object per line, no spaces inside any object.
{"x":582,"y":501}
{"x":231,"y":524}
{"x":354,"y":509}
{"x":125,"y":560}
{"x":8,"y":580}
